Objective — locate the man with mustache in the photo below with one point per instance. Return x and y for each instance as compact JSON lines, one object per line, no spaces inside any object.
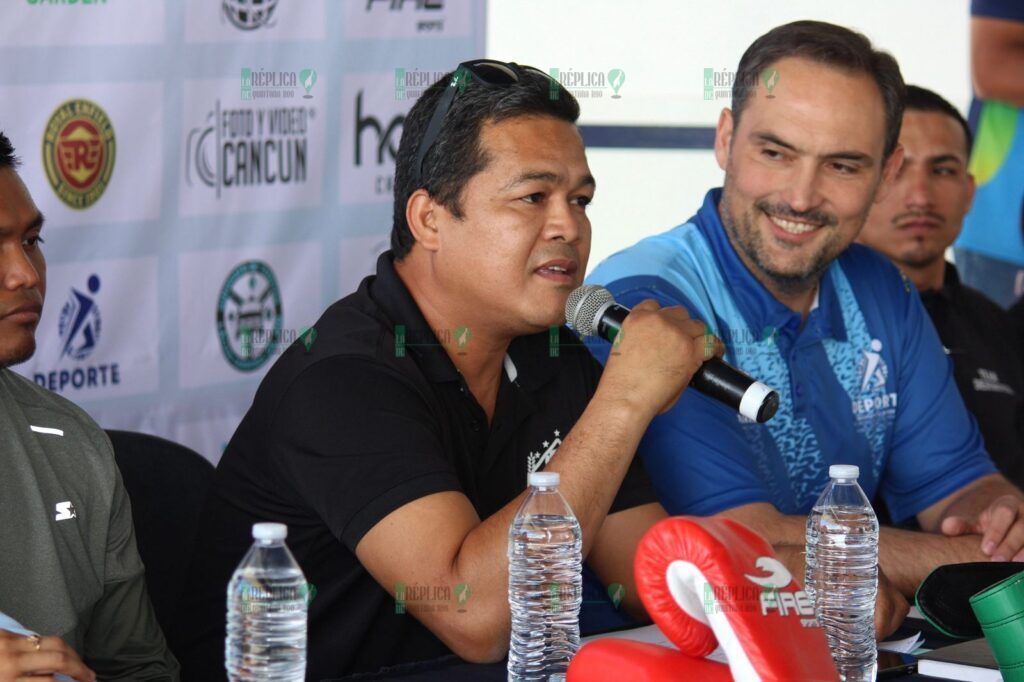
{"x":69,"y":568}
{"x":396,"y":438}
{"x":767,"y":263}
{"x":913,"y":225}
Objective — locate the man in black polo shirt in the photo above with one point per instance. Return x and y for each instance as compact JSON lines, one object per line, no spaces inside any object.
{"x":395,"y":440}
{"x":913,"y":226}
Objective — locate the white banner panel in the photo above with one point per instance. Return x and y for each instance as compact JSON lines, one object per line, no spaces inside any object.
{"x":371,"y":129}
{"x":247,"y":305}
{"x":77,"y":23}
{"x":255,"y":21}
{"x":101,"y":158}
{"x":408,"y":19}
{"x":104,"y":314}
{"x":250,"y":154}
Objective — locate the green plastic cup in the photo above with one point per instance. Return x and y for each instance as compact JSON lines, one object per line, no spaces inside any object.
{"x":1000,"y":611}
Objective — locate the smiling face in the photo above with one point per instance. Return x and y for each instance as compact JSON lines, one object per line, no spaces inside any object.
{"x":524,"y":239}
{"x":931,"y":193}
{"x":22,"y":270}
{"x":801,"y":171}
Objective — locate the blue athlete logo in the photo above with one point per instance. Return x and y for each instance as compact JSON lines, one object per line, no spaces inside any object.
{"x":79,"y":325}
{"x":873,"y":369}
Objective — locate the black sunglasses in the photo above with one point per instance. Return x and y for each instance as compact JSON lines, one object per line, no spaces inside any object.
{"x":486,"y":72}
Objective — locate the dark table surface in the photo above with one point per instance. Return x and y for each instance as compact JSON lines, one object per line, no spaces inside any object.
{"x":453,"y":669}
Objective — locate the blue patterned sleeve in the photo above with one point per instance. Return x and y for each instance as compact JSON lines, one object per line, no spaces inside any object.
{"x":696,"y":454}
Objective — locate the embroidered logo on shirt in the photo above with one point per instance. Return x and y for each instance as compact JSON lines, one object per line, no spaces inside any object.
{"x":65,"y":511}
{"x":988,"y":381}
{"x":874,"y":401}
{"x":537,"y":460}
{"x":872,"y":367}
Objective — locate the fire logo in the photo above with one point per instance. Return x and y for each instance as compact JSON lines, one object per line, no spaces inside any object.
{"x":78,"y":152}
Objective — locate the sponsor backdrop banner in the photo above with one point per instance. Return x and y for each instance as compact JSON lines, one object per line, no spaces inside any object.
{"x":213,"y":173}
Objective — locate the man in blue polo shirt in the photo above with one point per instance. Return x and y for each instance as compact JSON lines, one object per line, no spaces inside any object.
{"x":767,"y":264}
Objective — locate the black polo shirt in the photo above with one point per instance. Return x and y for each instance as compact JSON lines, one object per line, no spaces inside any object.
{"x":982,"y":340}
{"x":359,"y":423}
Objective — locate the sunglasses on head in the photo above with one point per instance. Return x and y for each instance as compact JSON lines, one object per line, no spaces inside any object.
{"x":489,"y":73}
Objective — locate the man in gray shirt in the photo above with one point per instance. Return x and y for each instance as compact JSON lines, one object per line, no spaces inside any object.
{"x":69,"y":567}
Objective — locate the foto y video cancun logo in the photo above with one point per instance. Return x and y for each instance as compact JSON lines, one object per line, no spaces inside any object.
{"x":78,"y":152}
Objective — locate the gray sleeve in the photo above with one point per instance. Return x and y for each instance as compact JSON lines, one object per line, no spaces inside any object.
{"x":124,"y":640}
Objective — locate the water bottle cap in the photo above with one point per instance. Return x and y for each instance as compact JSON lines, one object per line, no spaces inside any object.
{"x":843,"y":471}
{"x":269,"y":531}
{"x":543,"y":479}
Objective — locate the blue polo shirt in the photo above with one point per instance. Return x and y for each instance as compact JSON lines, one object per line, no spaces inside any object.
{"x":864,"y":381}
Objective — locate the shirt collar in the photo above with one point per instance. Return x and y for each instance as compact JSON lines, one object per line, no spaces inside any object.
{"x":948,"y":290}
{"x":529,"y":361}
{"x":759,"y":307}
{"x":390,"y":294}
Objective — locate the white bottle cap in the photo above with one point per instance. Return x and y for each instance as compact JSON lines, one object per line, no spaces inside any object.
{"x":844,"y":471}
{"x":543,"y":479}
{"x":269,"y":531}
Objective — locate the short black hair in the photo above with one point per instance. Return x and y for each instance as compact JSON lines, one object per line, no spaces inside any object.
{"x":7,"y":157}
{"x":923,"y":99}
{"x":456,"y":155}
{"x":826,"y":44}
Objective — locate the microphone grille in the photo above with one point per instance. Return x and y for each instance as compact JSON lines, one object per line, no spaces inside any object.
{"x":582,"y":307}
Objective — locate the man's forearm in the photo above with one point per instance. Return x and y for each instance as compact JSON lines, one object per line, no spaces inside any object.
{"x":907,"y":557}
{"x":592,"y":461}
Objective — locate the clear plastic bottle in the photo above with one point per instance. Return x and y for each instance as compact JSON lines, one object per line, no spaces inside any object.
{"x":842,"y":571}
{"x":545,"y":583}
{"x":267,"y":605}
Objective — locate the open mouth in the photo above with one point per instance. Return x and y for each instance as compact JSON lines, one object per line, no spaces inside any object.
{"x":561,"y":270}
{"x":790,"y":231}
{"x":792,"y":226}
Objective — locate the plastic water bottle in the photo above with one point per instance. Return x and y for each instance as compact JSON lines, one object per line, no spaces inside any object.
{"x":545,"y":583}
{"x":842,"y":572}
{"x":266,"y":635}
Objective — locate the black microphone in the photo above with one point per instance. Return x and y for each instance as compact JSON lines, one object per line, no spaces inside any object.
{"x":592,"y":311}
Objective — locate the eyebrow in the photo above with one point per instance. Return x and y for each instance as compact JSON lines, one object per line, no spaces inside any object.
{"x":945,"y":158}
{"x":849,"y":155}
{"x":35,"y":224}
{"x":546,"y":176}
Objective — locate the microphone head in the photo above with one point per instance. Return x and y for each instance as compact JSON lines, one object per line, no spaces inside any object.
{"x":584,"y":305}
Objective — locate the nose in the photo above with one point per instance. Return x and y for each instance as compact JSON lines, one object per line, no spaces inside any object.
{"x":564,"y":222}
{"x":918,"y":188}
{"x":802,"y":193}
{"x":17,"y":271}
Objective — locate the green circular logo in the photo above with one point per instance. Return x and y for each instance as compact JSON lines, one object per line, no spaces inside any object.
{"x":249,"y":316}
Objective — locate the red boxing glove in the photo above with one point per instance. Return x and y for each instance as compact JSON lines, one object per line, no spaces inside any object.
{"x":614,"y":660}
{"x":709,"y":582}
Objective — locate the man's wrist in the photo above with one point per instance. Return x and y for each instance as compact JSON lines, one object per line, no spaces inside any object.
{"x":620,"y":406}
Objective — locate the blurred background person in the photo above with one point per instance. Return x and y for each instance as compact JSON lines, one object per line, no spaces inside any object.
{"x":913,"y":225}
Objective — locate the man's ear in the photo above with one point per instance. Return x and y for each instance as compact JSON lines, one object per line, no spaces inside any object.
{"x":972,"y":185}
{"x":889,"y":170}
{"x":723,"y":137}
{"x":420,"y":214}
